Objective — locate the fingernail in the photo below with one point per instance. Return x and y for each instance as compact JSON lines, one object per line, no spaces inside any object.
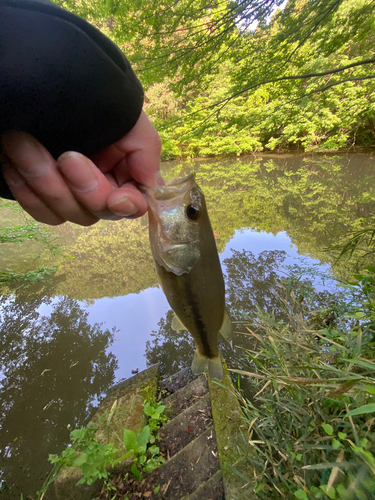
{"x":123,"y":206}
{"x":11,"y":176}
{"x":26,"y":152}
{"x":78,"y":170}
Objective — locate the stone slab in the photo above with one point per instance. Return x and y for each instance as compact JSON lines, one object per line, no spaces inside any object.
{"x":228,"y":422}
{"x":121,"y":409}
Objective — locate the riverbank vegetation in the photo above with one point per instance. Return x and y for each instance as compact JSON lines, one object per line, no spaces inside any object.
{"x":227,"y":78}
{"x":312,"y":372}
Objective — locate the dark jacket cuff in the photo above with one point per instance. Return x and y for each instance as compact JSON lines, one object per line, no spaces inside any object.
{"x":62,"y":80}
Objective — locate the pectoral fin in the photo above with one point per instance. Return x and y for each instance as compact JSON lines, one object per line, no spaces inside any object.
{"x":176,"y":324}
{"x":226,"y":329}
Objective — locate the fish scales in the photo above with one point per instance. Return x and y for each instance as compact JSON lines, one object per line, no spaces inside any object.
{"x":187,"y":262}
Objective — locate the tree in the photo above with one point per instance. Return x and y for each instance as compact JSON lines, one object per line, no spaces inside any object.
{"x":42,"y":360}
{"x":249,"y":74}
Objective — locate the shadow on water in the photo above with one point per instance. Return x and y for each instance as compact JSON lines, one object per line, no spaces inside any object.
{"x":57,"y":358}
{"x":42,"y":360}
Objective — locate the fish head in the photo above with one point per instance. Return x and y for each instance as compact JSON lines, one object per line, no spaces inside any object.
{"x":175,"y":212}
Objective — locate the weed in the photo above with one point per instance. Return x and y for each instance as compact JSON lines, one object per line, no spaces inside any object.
{"x":95,"y":459}
{"x":311,"y":421}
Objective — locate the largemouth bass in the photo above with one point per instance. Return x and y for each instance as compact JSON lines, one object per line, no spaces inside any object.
{"x":187,"y":262}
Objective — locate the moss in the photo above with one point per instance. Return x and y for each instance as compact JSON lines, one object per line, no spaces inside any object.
{"x":227,"y":415}
{"x":121,"y":409}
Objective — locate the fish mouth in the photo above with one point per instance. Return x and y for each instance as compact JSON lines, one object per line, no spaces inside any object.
{"x":169,"y":190}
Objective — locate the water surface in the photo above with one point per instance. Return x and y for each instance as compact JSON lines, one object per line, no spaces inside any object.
{"x":103,"y":315}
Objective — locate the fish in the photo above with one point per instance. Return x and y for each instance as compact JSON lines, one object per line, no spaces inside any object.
{"x":188,"y":266}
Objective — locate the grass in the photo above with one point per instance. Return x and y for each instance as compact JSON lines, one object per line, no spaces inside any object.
{"x":311,"y":419}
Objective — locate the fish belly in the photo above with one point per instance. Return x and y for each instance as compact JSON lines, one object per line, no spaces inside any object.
{"x":198,"y":299}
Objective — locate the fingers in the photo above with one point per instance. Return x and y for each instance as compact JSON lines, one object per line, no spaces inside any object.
{"x":142,"y":146}
{"x":76,"y":189}
{"x":28,"y":200}
{"x":35,"y":181}
{"x":105,"y":199}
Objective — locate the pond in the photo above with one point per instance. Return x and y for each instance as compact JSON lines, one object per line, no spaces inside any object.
{"x":103,"y":315}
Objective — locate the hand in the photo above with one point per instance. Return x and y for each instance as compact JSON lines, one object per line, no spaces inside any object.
{"x":78,"y":189}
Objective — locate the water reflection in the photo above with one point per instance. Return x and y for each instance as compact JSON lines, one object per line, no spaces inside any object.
{"x":57,"y":359}
{"x":54,"y":369}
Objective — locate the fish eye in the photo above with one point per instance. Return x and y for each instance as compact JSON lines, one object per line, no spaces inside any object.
{"x":192,"y":212}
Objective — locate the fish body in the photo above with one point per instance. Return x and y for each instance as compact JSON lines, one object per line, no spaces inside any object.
{"x":187,"y":262}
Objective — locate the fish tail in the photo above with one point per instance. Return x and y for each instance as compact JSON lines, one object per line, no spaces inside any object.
{"x":201,"y":363}
{"x":215,"y":368}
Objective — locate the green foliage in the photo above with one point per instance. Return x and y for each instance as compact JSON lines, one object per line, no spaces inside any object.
{"x":20,"y":234}
{"x":311,"y":420}
{"x":40,"y":274}
{"x":145,"y":457}
{"x":154,"y":412}
{"x":95,"y":459}
{"x":228,"y":78}
{"x":87,"y":453}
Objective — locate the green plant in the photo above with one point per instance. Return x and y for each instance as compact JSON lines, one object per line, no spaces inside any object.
{"x":137,"y":446}
{"x":96,"y":459}
{"x":154,"y":412}
{"x":156,"y":417}
{"x":312,"y":417}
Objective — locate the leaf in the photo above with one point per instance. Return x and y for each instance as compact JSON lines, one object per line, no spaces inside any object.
{"x":301,"y":494}
{"x":362,"y":410}
{"x":144,"y":436}
{"x":148,"y":409}
{"x":130,"y":440}
{"x":335,"y":444}
{"x":331,"y":492}
{"x":157,"y":489}
{"x":135,"y":472}
{"x":361,"y":362}
{"x":147,"y":494}
{"x":160,"y":409}
{"x":151,"y":465}
{"x":328,"y":429}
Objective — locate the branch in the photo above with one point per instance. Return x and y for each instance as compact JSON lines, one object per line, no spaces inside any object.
{"x":321,"y":89}
{"x":285,"y":78}
{"x":326,"y":87}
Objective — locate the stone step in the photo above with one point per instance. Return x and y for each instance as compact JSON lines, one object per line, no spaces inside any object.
{"x":172,"y":384}
{"x":212,"y":489}
{"x":186,"y":426}
{"x":186,"y":396}
{"x":186,"y":471}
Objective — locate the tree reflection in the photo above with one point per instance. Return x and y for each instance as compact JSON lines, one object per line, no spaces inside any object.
{"x":54,"y":367}
{"x":249,"y":283}
{"x":172,"y":349}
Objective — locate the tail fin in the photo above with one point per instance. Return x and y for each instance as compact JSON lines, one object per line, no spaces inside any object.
{"x":215,"y":368}
{"x":201,"y":363}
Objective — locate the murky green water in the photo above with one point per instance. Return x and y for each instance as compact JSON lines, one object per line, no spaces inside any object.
{"x":103,"y":315}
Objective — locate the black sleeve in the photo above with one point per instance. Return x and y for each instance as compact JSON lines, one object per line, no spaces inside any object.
{"x":62,"y":80}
